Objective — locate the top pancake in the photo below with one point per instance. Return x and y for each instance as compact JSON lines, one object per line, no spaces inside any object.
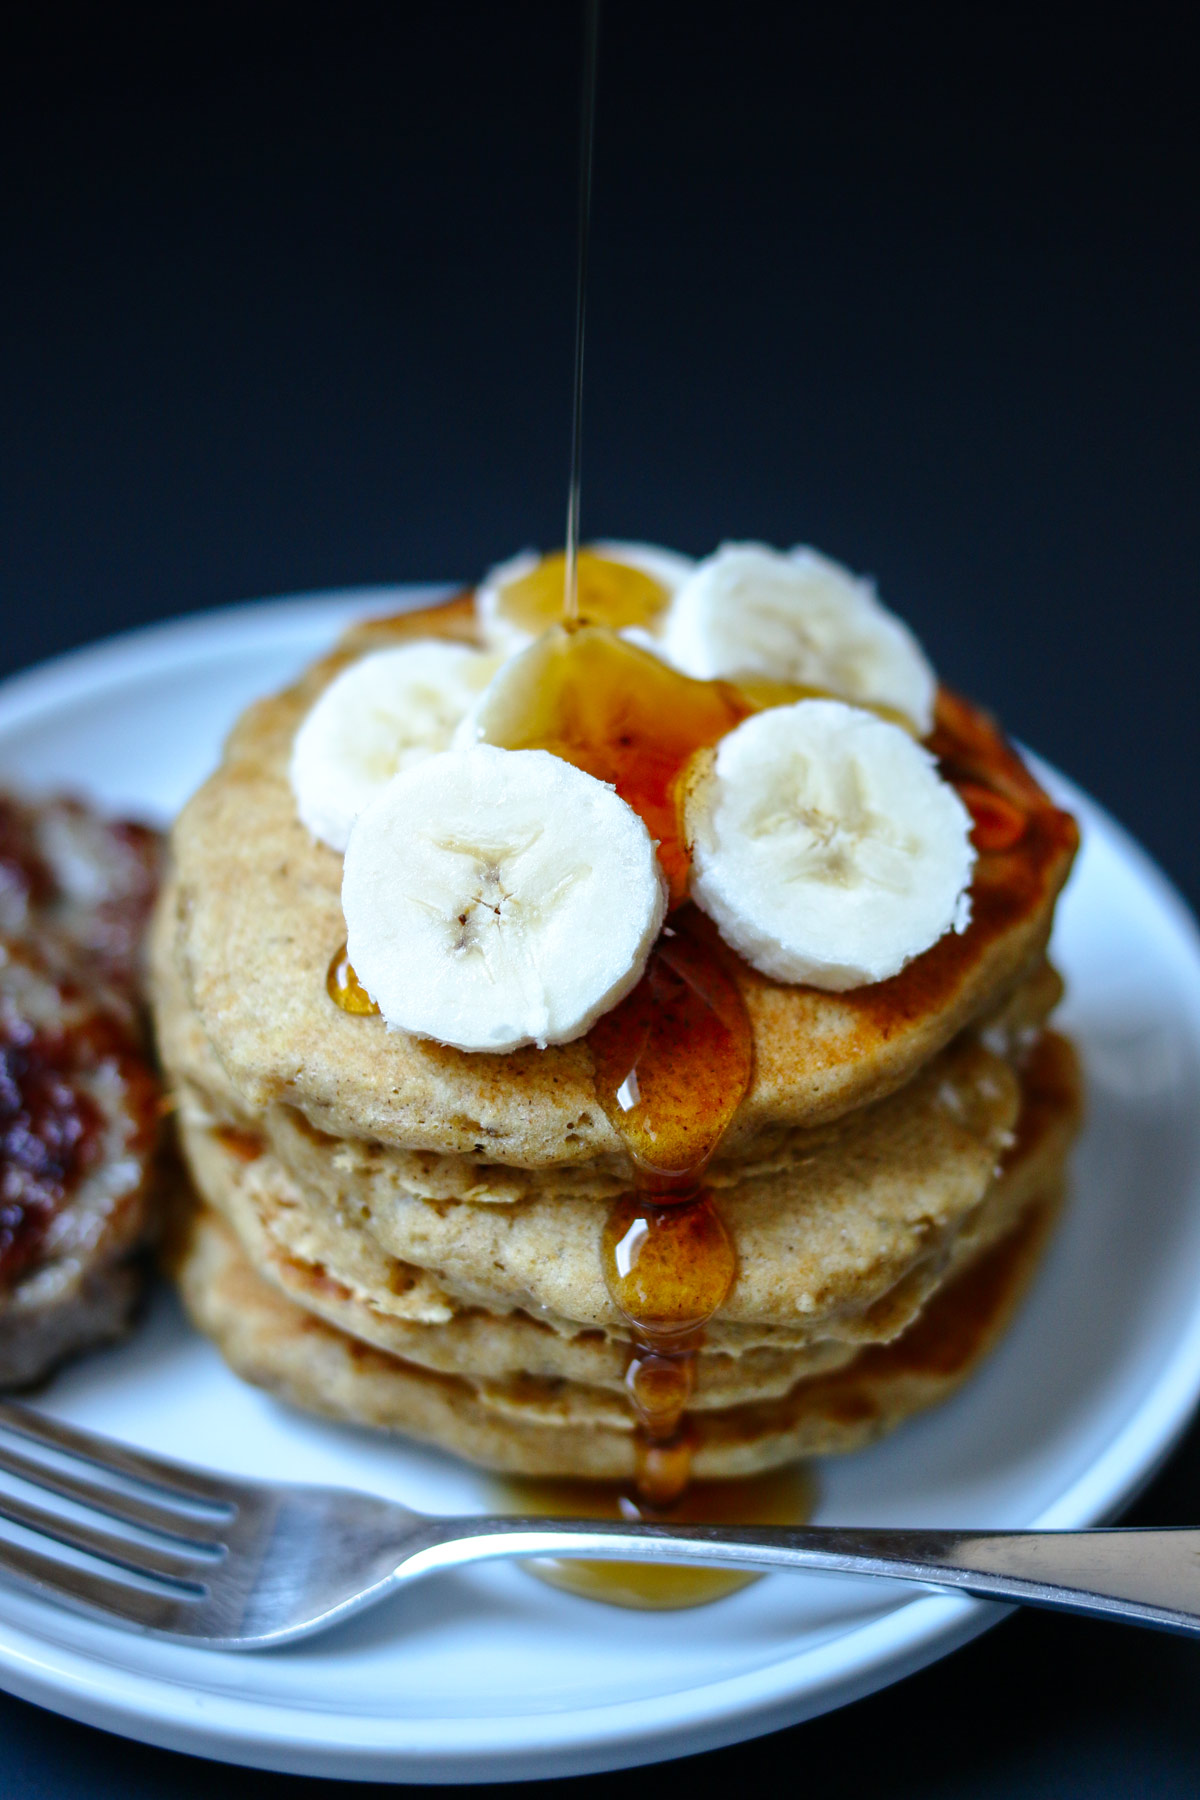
{"x":257,"y":918}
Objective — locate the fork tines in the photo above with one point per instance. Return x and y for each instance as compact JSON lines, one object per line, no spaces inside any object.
{"x":174,"y":1520}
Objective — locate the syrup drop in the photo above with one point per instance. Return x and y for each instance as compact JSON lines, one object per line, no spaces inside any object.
{"x":668,"y":1268}
{"x":344,"y":988}
{"x":660,"y":1386}
{"x":664,"y":1466}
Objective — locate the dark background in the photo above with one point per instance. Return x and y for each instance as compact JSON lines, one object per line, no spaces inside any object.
{"x":286,"y":303}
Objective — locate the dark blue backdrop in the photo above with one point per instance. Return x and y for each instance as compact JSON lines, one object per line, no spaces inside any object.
{"x":286,"y":303}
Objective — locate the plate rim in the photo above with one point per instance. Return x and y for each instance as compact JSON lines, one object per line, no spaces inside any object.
{"x":272,"y":1734}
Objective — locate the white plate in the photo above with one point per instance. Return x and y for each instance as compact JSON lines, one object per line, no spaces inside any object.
{"x":491,"y":1674}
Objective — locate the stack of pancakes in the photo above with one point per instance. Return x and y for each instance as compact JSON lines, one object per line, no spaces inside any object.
{"x":398,"y":1233}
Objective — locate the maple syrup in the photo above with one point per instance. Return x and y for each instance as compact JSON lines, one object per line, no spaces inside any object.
{"x":672,"y":1061}
{"x":997,"y":823}
{"x":669,"y":1270}
{"x":245,"y":1146}
{"x":619,"y":713}
{"x":606,"y":593}
{"x":780,"y":1497}
{"x":671,"y":1064}
{"x":344,"y":988}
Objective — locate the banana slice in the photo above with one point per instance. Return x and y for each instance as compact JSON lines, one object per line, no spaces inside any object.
{"x":495,"y":898}
{"x":798,"y":618}
{"x":386,"y":712}
{"x":624,"y":586}
{"x":825,"y":845}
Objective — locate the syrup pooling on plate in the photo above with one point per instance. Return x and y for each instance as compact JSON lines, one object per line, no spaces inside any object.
{"x":780,"y":1497}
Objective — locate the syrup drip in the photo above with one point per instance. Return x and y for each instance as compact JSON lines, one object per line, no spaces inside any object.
{"x":344,"y":988}
{"x":672,"y":1061}
{"x":671,"y":1064}
{"x":669,"y":1269}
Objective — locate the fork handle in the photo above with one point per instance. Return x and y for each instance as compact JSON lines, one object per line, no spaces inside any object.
{"x":1147,"y":1577}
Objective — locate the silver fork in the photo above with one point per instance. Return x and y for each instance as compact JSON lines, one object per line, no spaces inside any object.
{"x":240,"y":1565}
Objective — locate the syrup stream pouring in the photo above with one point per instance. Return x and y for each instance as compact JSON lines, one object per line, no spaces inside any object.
{"x":587,"y":140}
{"x":232,"y":1564}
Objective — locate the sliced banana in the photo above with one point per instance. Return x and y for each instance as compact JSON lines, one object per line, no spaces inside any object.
{"x":825,"y":845}
{"x":495,"y":898}
{"x":386,"y":712}
{"x":798,"y":618}
{"x":625,"y":586}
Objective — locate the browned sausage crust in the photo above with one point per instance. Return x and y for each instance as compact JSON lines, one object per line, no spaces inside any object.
{"x":79,"y":1103}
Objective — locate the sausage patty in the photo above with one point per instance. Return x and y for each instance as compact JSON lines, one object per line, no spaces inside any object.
{"x":79,"y":1103}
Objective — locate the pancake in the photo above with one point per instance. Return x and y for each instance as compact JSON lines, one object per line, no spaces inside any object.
{"x":345,"y":1279}
{"x":366,"y":1163}
{"x":826,"y":1236}
{"x":869,"y":1200}
{"x":257,"y":917}
{"x":283,"y":1348}
{"x":874,"y":1200}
